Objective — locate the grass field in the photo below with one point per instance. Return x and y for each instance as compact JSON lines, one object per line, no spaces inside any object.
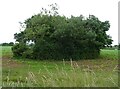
{"x":101,"y":72}
{"x":109,"y":54}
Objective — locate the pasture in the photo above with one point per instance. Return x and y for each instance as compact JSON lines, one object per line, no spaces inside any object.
{"x":101,"y":72}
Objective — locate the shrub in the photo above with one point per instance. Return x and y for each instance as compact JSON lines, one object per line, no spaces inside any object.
{"x":59,"y":37}
{"x":19,"y":49}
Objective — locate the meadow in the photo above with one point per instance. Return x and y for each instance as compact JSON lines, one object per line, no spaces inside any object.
{"x":101,"y":72}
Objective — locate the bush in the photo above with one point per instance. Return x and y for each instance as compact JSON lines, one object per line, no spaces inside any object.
{"x":58,"y":37}
{"x":21,"y":50}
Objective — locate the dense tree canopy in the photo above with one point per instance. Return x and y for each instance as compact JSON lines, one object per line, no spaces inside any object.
{"x":48,"y":35}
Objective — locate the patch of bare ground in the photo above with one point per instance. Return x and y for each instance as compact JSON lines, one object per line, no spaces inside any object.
{"x":10,"y":63}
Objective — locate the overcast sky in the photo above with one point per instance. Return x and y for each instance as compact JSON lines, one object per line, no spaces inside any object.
{"x":14,"y":11}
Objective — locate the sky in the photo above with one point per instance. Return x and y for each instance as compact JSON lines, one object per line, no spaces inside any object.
{"x":14,"y":11}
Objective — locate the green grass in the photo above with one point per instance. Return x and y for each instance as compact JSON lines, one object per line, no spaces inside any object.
{"x":109,"y":54}
{"x":56,"y":74}
{"x":6,"y":51}
{"x":102,"y":72}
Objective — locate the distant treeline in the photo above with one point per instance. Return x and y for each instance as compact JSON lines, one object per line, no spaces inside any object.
{"x":112,"y":47}
{"x":7,"y":44}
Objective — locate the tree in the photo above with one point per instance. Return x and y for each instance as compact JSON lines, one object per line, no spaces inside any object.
{"x":4,"y":44}
{"x":58,"y":37}
{"x":11,"y":44}
{"x":7,"y":44}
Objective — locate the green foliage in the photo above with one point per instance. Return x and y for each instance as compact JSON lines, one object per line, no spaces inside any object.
{"x":21,"y":50}
{"x":59,"y":37}
{"x":119,"y":46}
{"x":7,"y":44}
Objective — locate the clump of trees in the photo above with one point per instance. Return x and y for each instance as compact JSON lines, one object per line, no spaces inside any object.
{"x":7,"y":44}
{"x":49,"y":35}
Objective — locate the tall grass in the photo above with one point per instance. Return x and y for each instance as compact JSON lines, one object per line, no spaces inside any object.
{"x":60,"y":75}
{"x":83,"y":73}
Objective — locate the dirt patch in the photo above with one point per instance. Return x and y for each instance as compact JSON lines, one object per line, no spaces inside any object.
{"x":11,"y":63}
